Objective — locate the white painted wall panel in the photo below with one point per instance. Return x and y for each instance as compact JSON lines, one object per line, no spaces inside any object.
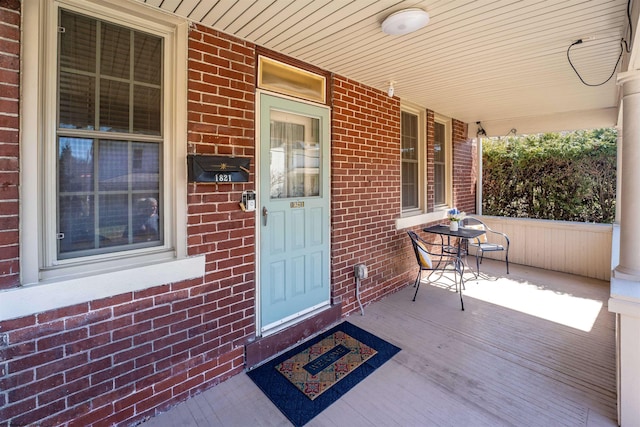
{"x":576,"y":248}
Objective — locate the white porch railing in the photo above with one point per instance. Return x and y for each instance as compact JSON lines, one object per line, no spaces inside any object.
{"x":577,"y":248}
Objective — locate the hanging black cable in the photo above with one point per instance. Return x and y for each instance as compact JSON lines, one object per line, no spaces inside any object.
{"x":624,"y":46}
{"x":578,"y":74}
{"x":628,"y":45}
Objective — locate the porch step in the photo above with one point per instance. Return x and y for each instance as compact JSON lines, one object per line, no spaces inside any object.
{"x":263,"y":349}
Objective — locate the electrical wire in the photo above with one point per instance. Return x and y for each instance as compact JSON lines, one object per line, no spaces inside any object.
{"x":628,"y":45}
{"x":624,"y":46}
{"x":358,"y":295}
{"x":578,"y":74}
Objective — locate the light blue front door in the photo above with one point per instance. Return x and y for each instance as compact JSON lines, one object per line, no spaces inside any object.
{"x":294,"y":210}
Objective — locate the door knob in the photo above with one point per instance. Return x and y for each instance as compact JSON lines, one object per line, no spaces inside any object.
{"x":265,"y":213}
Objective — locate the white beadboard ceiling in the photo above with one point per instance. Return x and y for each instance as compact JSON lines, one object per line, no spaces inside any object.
{"x":502,"y":62}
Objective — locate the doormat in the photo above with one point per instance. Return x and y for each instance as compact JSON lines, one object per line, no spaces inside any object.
{"x":305,"y":380}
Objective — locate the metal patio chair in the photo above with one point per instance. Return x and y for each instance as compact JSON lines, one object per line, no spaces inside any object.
{"x":490,"y":241}
{"x":433,"y":260}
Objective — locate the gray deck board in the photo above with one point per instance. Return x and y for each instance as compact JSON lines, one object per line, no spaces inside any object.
{"x":510,"y":359}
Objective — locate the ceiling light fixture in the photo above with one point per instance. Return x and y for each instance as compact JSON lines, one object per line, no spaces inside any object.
{"x":391,"y":89}
{"x":405,"y":21}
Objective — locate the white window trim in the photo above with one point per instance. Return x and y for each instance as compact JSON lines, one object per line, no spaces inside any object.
{"x":416,"y":110}
{"x":418,"y":217}
{"x":88,"y":280}
{"x":448,"y":186}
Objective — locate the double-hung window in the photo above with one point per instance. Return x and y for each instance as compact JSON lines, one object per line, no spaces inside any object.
{"x":426,"y":166}
{"x":410,"y":155}
{"x":104,"y":187}
{"x":441,"y":162}
{"x":109,"y":137}
{"x":412,"y":159}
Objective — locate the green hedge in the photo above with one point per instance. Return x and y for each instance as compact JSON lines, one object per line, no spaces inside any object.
{"x":567,"y":176}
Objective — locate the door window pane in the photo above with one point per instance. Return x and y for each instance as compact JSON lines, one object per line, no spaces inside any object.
{"x":295,"y":156}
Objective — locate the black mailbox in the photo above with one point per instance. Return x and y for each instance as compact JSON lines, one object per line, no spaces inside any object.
{"x":204,"y":168}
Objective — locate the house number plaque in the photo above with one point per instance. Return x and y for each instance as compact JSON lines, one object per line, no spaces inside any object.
{"x":297,"y":205}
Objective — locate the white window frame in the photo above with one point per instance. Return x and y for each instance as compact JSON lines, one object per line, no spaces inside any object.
{"x":421,"y":114}
{"x":88,"y":278}
{"x":420,"y":216}
{"x":448,"y":159}
{"x":420,"y":155}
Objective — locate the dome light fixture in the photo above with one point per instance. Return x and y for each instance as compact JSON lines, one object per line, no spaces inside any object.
{"x":405,"y":21}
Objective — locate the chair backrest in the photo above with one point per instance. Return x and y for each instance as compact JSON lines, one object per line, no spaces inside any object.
{"x":421,"y":251}
{"x":475,"y":223}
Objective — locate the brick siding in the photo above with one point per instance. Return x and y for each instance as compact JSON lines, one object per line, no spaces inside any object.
{"x":465,"y":168}
{"x":431,"y":136}
{"x":115,"y":360}
{"x":125,"y":358}
{"x":9,"y":138}
{"x":365,"y":174}
{"x":122,"y":359}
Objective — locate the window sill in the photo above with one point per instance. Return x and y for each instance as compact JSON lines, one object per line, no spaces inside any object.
{"x":412,"y":221}
{"x":50,"y":295}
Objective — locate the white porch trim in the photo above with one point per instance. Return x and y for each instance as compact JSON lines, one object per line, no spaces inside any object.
{"x":625,"y":281}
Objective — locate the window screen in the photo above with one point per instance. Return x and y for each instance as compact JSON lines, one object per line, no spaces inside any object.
{"x":439,"y":163}
{"x":109,"y":137}
{"x":410,"y":165}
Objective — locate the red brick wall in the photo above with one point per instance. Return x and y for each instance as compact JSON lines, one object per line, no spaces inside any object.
{"x":366,"y":191}
{"x":116,"y":360}
{"x":221,"y":121}
{"x":124,"y":358}
{"x":365,"y":172}
{"x":9,"y":137}
{"x":121,"y":359}
{"x":431,"y":195}
{"x":464,"y":169}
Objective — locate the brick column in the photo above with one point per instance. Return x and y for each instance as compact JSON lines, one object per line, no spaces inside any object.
{"x":9,"y":139}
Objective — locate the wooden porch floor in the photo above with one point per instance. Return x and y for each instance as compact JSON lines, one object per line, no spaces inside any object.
{"x":535,"y":348}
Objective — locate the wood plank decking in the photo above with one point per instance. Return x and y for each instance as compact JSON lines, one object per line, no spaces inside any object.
{"x":534,"y":348}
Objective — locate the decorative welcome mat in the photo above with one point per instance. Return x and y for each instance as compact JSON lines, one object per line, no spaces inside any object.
{"x":308,"y":378}
{"x":320,"y":366}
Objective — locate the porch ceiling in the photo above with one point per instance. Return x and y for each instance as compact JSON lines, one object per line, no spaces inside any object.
{"x":502,"y":62}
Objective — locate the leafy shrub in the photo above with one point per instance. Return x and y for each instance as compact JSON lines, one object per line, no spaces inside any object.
{"x":561,"y":176}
